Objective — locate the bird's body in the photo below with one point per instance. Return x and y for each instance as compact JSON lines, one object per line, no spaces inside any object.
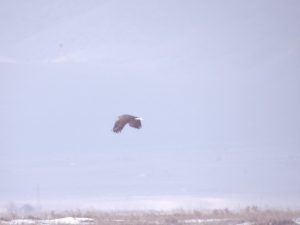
{"x":133,"y":121}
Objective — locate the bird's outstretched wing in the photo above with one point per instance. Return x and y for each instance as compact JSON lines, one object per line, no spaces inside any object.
{"x":119,"y":125}
{"x":136,"y":123}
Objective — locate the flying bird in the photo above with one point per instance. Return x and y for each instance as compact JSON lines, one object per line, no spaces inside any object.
{"x":133,"y":121}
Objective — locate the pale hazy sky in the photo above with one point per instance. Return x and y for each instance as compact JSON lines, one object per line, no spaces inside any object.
{"x":217,"y":83}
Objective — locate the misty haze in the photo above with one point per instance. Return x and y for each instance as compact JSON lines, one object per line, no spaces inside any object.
{"x":217,"y":84}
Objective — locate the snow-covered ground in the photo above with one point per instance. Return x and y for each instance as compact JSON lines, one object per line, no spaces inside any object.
{"x":66,"y":220}
{"x":85,"y":221}
{"x":200,"y":221}
{"x":203,"y":220}
{"x":297,"y":221}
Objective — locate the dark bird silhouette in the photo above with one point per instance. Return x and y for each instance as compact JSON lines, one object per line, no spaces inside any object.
{"x":133,"y":121}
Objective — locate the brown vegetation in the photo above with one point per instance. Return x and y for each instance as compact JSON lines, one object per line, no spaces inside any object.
{"x":249,"y":215}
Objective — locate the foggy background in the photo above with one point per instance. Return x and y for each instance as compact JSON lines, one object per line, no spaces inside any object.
{"x":217,"y":83}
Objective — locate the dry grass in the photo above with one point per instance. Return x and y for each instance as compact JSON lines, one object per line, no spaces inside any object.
{"x":251,"y":214}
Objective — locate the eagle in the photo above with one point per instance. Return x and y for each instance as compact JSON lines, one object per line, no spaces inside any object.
{"x":133,"y":121}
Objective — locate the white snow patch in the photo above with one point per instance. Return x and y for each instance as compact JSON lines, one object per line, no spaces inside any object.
{"x":203,"y":220}
{"x":19,"y":221}
{"x":71,"y":220}
{"x":67,"y":220}
{"x":212,"y":220}
{"x":297,"y":220}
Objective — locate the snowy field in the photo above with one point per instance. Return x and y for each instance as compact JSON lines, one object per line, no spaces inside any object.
{"x":66,"y":220}
{"x":71,"y":220}
{"x":153,"y":210}
{"x":248,"y":216}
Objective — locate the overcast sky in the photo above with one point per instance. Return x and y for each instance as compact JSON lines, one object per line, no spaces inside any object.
{"x":217,"y":83}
